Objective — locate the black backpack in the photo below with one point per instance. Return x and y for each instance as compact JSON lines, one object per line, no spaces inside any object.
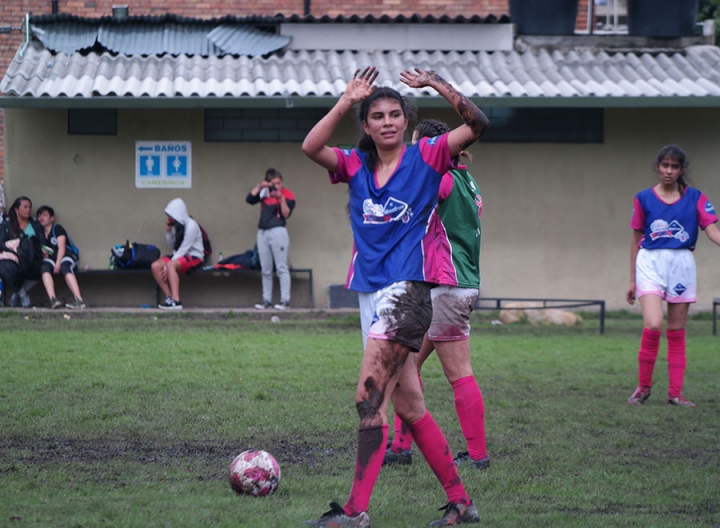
{"x":28,"y":250}
{"x":134,"y":255}
{"x":207,"y":247}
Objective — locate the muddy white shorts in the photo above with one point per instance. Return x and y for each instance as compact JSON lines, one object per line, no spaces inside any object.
{"x":400,"y":312}
{"x":669,"y":273}
{"x":451,"y":312}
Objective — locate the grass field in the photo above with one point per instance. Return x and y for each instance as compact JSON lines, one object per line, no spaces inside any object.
{"x":133,"y":420}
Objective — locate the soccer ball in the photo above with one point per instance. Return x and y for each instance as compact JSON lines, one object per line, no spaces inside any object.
{"x":255,"y":473}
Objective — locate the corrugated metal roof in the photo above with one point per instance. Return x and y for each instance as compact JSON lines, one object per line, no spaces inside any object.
{"x":141,"y":38}
{"x":259,"y":20}
{"x":246,"y":40}
{"x":692,"y":73}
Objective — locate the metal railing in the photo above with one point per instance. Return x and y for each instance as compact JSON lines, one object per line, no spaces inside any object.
{"x":546,"y":303}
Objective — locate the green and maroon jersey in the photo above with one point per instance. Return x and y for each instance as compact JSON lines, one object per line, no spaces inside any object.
{"x":455,"y":232}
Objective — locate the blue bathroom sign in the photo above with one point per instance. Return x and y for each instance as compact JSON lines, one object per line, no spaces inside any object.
{"x":163,"y":164}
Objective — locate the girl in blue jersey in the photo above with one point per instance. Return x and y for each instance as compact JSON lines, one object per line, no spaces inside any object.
{"x":393,"y":192}
{"x":666,"y":220}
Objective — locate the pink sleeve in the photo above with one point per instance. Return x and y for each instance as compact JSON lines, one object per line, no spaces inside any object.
{"x":446,"y":186}
{"x":706,"y":212}
{"x":638,"y":217}
{"x":348,"y":165}
{"x":436,"y":153}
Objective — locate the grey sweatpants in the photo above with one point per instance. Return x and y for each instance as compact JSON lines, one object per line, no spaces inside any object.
{"x":273,"y":245}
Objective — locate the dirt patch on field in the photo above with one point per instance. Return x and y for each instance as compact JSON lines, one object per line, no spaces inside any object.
{"x":209,"y":460}
{"x":41,"y":450}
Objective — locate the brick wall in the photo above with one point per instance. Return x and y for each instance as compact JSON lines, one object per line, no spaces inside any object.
{"x":13,"y":11}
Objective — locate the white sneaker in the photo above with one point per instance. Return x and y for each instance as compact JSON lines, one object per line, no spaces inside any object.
{"x":170,"y":304}
{"x":263,"y":306}
{"x":284,"y":305}
{"x":24,"y":298}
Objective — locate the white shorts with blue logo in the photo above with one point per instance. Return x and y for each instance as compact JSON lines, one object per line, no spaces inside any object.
{"x":669,"y":273}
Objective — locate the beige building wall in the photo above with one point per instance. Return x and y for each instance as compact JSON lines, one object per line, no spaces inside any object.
{"x":555,"y":217}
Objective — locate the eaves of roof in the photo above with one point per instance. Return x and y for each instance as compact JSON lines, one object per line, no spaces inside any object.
{"x":328,"y":102}
{"x":690,"y":77}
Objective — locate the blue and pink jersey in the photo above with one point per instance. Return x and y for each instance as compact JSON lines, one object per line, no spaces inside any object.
{"x":671,"y":226}
{"x":390,"y":222}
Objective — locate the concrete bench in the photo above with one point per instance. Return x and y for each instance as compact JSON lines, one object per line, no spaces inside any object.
{"x":203,"y":273}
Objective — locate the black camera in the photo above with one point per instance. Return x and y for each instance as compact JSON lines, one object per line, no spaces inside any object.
{"x":272,"y":188}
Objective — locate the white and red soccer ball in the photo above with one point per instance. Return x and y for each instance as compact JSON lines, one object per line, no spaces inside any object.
{"x":255,"y":473}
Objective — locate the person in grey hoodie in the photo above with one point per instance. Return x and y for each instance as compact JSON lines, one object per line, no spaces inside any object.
{"x":184,"y":238}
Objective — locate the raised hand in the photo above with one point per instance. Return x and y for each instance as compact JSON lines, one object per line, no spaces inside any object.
{"x":361,"y":84}
{"x":418,"y":78}
{"x":476,"y":123}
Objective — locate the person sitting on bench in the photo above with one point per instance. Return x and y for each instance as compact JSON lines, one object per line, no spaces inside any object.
{"x":184,"y":237}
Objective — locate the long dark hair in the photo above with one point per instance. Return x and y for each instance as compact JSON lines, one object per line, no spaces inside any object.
{"x":12,"y":215}
{"x":366,"y":143}
{"x":677,"y":154}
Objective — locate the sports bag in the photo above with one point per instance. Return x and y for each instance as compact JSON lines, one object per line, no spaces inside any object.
{"x":207,"y":247}
{"x":134,"y":255}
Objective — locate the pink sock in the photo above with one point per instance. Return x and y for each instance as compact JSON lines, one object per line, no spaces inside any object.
{"x":402,"y":441}
{"x":471,"y":413}
{"x":371,"y":451}
{"x":432,"y":444}
{"x":649,"y":345}
{"x":676,"y":360}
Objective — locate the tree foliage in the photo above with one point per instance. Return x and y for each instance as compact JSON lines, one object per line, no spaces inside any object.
{"x":710,"y":10}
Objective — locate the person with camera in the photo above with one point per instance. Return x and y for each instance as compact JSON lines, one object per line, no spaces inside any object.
{"x":276,"y":206}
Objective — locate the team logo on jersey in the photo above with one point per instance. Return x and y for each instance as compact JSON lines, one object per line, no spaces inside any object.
{"x":392,"y":211}
{"x":478,"y":202}
{"x":661,"y":229}
{"x":679,"y":289}
{"x":709,"y":208}
{"x":431,"y":141}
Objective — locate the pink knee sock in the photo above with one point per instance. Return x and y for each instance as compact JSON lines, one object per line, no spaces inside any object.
{"x":432,"y":444}
{"x":371,"y":451}
{"x":402,"y":441}
{"x":649,"y":345}
{"x":471,"y":413}
{"x":676,"y":360}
